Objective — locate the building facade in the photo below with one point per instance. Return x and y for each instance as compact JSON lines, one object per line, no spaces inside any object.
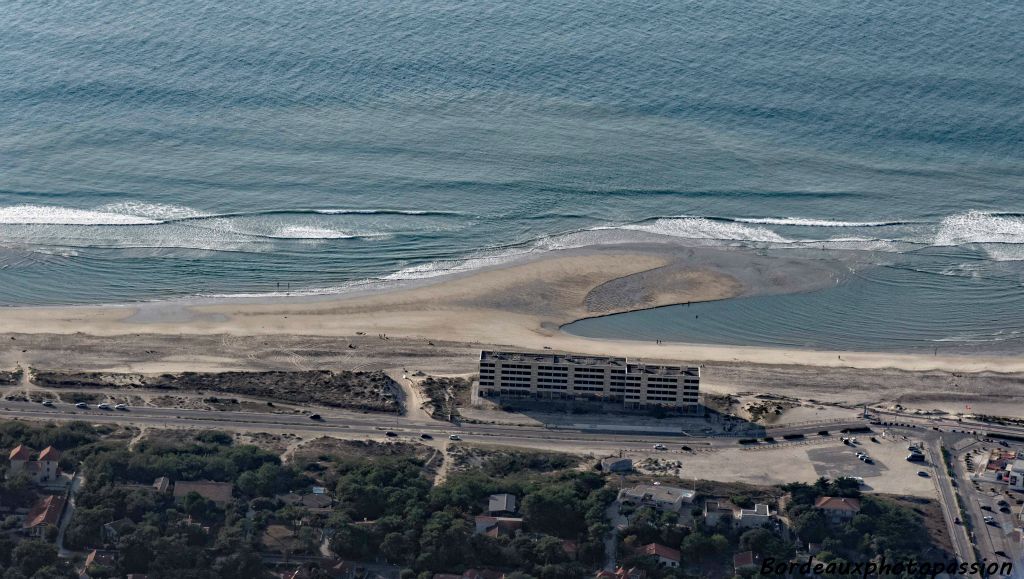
{"x":523,"y":375}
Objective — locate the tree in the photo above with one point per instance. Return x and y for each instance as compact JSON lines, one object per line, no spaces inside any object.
{"x":554,"y":509}
{"x":32,"y":555}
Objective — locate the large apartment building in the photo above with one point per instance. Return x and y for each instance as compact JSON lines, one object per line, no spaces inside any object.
{"x":518,"y":375}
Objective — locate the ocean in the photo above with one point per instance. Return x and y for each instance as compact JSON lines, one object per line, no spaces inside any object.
{"x":166,"y":150}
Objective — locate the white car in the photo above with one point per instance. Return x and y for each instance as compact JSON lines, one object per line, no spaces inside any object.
{"x":454,"y":437}
{"x":103,"y":406}
{"x":120,"y":407}
{"x":48,"y":403}
{"x":660,"y":446}
{"x":989,"y":518}
{"x":81,"y":405}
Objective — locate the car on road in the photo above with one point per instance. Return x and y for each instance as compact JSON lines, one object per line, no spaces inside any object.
{"x":923,"y":473}
{"x":390,"y":434}
{"x":957,"y":521}
{"x":315,"y":417}
{"x":103,"y":406}
{"x":454,"y":437}
{"x":120,"y":407}
{"x":48,"y":403}
{"x":660,"y":446}
{"x":81,"y":405}
{"x":426,"y":436}
{"x":686,"y":448}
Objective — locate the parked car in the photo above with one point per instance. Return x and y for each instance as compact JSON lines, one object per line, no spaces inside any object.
{"x":923,"y":473}
{"x":915,"y":457}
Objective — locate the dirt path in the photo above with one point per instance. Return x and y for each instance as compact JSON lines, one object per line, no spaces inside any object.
{"x":412,"y":397}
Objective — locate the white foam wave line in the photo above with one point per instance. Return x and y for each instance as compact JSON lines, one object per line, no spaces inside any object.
{"x":807,"y":222}
{"x":979,"y":227}
{"x":703,"y":228}
{"x":378,"y":211}
{"x":55,"y":215}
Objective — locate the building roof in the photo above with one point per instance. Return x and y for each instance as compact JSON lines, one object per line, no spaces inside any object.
{"x":838,"y":504}
{"x":217,"y":492}
{"x":101,"y":558}
{"x":20,"y":452}
{"x":162,"y":484}
{"x":497,"y":526}
{"x":662,"y":493}
{"x":744,"y":559}
{"x":46,"y":511}
{"x":316,"y":501}
{"x":760,"y":510}
{"x":715,"y":506}
{"x":587,"y":360}
{"x":659,"y":550}
{"x":49,"y":454}
{"x":503,"y":502}
{"x":616,"y":462}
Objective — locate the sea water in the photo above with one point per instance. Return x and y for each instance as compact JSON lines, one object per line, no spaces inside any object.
{"x":162,"y":150}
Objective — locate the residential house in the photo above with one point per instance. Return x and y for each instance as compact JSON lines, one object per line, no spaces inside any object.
{"x":162,"y":484}
{"x":716,"y":512}
{"x":98,"y":560}
{"x":622,"y":573}
{"x":114,"y":530}
{"x":41,"y":468}
{"x":745,"y":561}
{"x":497,"y":526}
{"x":755,"y":517}
{"x":45,"y":514}
{"x":838,"y":509}
{"x":218,"y":492}
{"x":616,"y":464}
{"x":501,"y":504}
{"x":664,"y":556}
{"x":661,"y":497}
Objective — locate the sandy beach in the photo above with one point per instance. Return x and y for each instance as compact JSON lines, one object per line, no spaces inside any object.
{"x":439,"y":325}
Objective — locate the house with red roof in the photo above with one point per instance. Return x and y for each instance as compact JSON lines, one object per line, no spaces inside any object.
{"x":41,"y":468}
{"x":838,"y":509}
{"x":664,"y":556}
{"x":45,"y":513}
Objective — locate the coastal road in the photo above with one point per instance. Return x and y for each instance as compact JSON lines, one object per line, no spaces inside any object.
{"x":356,"y":425}
{"x":947,"y":499}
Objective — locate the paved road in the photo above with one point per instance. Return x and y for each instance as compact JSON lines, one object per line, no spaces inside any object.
{"x":947,"y":499}
{"x":359,"y":425}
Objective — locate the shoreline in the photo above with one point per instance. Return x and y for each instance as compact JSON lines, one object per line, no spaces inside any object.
{"x":519,"y":304}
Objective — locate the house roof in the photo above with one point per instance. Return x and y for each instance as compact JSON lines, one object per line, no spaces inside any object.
{"x":20,"y":452}
{"x":161,"y":484}
{"x":102,"y":558}
{"x":663,"y":493}
{"x":838,"y":504}
{"x":217,"y":492}
{"x":46,"y":511}
{"x":503,"y":502}
{"x":49,"y":454}
{"x":744,"y":559}
{"x":659,"y":550}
